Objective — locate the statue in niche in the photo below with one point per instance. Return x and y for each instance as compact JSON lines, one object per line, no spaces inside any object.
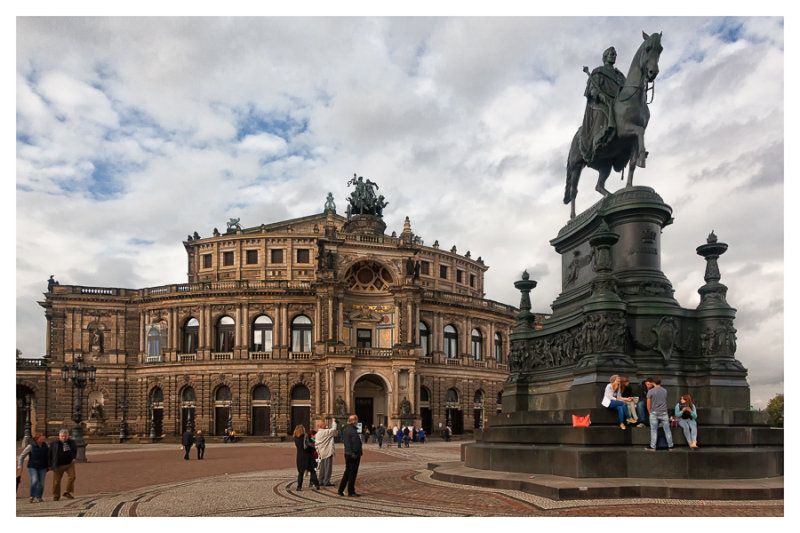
{"x":405,"y":407}
{"x":96,"y":340}
{"x":339,"y":407}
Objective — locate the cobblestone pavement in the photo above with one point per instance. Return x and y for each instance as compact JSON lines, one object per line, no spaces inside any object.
{"x":245,"y":480}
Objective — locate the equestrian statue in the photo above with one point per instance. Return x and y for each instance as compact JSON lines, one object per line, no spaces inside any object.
{"x":616,"y":115}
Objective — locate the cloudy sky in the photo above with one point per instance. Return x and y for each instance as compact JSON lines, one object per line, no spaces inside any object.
{"x":133,"y":132}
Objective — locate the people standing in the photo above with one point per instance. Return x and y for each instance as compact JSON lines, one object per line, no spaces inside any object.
{"x":63,"y":452}
{"x":325,"y":449}
{"x":305,"y":457}
{"x":399,"y":434}
{"x":381,"y":431}
{"x":448,"y":432}
{"x":186,"y":443}
{"x":200,"y":443}
{"x":352,"y":457}
{"x":406,"y":436}
{"x":657,"y":407}
{"x":686,"y":413}
{"x":38,"y":464}
{"x":421,"y":435}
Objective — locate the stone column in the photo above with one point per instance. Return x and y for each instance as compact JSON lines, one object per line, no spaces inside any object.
{"x":317,"y":392}
{"x":141,"y":331}
{"x":347,"y":389}
{"x":412,"y":390}
{"x":330,"y":319}
{"x":395,"y":390}
{"x":237,"y":331}
{"x":410,"y":323}
{"x":340,"y":332}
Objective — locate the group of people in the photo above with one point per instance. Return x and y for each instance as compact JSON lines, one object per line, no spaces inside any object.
{"x":650,"y":408}
{"x":197,"y":439}
{"x":58,"y":456}
{"x":315,"y":452}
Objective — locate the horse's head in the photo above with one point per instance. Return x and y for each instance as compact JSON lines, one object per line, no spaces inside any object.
{"x":649,"y":53}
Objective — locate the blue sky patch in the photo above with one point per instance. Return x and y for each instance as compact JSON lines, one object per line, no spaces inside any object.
{"x":251,"y":122}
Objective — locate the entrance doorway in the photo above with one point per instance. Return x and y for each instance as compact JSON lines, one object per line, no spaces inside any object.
{"x":371,"y":400}
{"x":301,"y":408}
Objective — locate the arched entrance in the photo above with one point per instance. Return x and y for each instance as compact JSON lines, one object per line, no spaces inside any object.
{"x":453,"y":415}
{"x":188,"y":400}
{"x":156,"y":416}
{"x":301,"y":408}
{"x":371,"y":400}
{"x":425,"y":410}
{"x":261,"y":410}
{"x":222,"y":409}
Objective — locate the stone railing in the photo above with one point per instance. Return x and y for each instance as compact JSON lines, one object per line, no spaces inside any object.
{"x":187,"y":357}
{"x":373,"y":352}
{"x":154,"y":359}
{"x":300,"y":356}
{"x":376,"y":239}
{"x":233,"y":285}
{"x":464,"y":299}
{"x":221,"y":356}
{"x":452,"y":362}
{"x":99,"y":290}
{"x":479,"y":364}
{"x":260,"y":356}
{"x":31,"y":362}
{"x":427,"y":360}
{"x":502,"y":366}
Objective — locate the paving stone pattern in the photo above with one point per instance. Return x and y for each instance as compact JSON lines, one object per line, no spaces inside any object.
{"x":260,"y":480}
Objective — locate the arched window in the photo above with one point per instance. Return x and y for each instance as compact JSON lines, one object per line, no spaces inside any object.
{"x":153,"y":343}
{"x":478,"y":396}
{"x":451,"y":396}
{"x":226,"y":331}
{"x":156,"y":396}
{"x":191,"y":333}
{"x":261,"y":393}
{"x":187,"y":396}
{"x":477,"y":343}
{"x":424,"y":339}
{"x":262,"y":334}
{"x":424,"y":395}
{"x":301,"y":392}
{"x":498,"y":347}
{"x":301,"y":334}
{"x":450,"y":342}
{"x":223,"y":394}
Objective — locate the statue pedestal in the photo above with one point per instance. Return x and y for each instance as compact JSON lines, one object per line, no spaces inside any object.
{"x":616,"y":314}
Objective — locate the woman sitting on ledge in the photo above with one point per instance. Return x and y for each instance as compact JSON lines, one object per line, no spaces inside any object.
{"x":612,"y":400}
{"x":686,"y":413}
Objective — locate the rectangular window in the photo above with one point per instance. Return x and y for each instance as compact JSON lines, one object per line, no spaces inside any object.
{"x":363,"y":338}
{"x":443,"y":271}
{"x":460,"y":276}
{"x":252,"y":257}
{"x":425,"y":268}
{"x":472,"y":280}
{"x":206,"y":260}
{"x":303,"y":256}
{"x":227,"y":258}
{"x":276,"y":256}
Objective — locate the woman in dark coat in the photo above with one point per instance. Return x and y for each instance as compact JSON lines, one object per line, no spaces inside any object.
{"x":305,"y":457}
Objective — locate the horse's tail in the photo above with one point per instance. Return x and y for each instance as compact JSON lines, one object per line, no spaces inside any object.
{"x":573,"y":168}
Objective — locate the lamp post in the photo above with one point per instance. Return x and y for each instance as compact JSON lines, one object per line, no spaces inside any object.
{"x":122,"y":405}
{"x":27,"y":439}
{"x":79,"y":374}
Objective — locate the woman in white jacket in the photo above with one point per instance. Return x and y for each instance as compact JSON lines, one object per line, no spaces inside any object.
{"x":612,"y":400}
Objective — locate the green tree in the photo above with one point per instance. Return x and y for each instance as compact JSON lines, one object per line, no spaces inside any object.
{"x":775,"y":410}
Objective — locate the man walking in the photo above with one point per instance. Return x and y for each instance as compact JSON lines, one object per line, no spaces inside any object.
{"x":381,"y":432}
{"x":200,"y":444}
{"x":352,"y":457}
{"x":657,"y":406}
{"x":63,"y":451}
{"x":186,"y":442}
{"x":325,"y":450}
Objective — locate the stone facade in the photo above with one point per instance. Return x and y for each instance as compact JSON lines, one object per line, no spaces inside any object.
{"x":280,"y":324}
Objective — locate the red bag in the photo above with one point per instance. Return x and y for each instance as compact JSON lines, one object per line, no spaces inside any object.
{"x":580,"y":421}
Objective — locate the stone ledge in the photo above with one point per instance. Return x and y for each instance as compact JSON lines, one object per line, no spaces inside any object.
{"x":566,"y":488}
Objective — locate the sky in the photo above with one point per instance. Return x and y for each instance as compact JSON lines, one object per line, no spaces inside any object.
{"x":132,"y":132}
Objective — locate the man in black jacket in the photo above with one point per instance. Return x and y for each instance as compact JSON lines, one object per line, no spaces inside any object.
{"x":186,"y":442}
{"x":63,"y":451}
{"x":352,"y":457}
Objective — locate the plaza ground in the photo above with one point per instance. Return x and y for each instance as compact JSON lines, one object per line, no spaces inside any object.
{"x":249,"y":479}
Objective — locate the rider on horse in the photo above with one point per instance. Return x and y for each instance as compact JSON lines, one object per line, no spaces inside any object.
{"x":602,"y":88}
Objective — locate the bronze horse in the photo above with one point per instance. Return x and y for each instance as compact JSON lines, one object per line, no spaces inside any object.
{"x":631,"y":114}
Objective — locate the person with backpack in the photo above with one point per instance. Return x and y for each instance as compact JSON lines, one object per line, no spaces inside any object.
{"x":38,"y":465}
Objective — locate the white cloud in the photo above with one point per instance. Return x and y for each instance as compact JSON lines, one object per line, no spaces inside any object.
{"x":465,"y":124}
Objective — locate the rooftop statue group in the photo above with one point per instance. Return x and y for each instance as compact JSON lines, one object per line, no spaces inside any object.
{"x":364,"y":201}
{"x":616,"y":116}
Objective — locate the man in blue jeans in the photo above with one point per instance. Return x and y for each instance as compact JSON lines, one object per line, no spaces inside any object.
{"x":641,"y":405}
{"x":659,"y":413}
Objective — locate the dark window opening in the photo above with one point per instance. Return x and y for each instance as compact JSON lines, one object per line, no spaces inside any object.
{"x":206,"y":260}
{"x":227,"y":258}
{"x":460,"y":276}
{"x":443,"y":271}
{"x":252,"y":257}
{"x":363,"y":338}
{"x":303,"y":256}
{"x":276,"y":256}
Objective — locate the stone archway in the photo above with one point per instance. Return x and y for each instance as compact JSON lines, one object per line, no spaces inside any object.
{"x":371,"y":400}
